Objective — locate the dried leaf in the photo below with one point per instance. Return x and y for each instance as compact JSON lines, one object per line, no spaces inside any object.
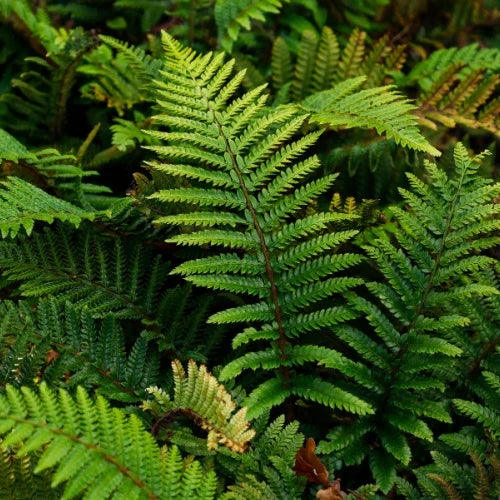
{"x":332,"y":493}
{"x":309,"y":465}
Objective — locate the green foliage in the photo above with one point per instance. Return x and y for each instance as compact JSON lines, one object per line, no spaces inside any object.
{"x":380,"y":108}
{"x":272,"y":220}
{"x":64,"y":346}
{"x":256,"y":179}
{"x":38,"y":101}
{"x":459,"y":87}
{"x":95,"y":449}
{"x":199,"y":394}
{"x":120,"y":80}
{"x":447,"y":221}
{"x":21,"y":204}
{"x":328,"y":65}
{"x":233,"y":15}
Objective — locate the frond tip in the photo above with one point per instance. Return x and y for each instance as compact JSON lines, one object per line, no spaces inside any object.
{"x":199,"y":395}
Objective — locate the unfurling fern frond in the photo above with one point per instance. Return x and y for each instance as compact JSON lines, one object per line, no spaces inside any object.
{"x":251,"y":180}
{"x":447,"y":221}
{"x":95,"y":450}
{"x":200,"y":396}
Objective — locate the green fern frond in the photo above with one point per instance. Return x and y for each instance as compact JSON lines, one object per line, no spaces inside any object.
{"x":381,"y":108}
{"x":305,"y":65}
{"x":251,"y":149}
{"x":281,"y":64}
{"x":64,"y":346}
{"x":93,"y":448}
{"x":89,"y":271}
{"x":271,"y":458}
{"x":22,"y":204}
{"x":352,"y":55}
{"x":249,"y":489}
{"x":37,"y":103}
{"x":421,"y":268}
{"x":233,"y":15}
{"x":200,"y":396}
{"x":458,"y":87}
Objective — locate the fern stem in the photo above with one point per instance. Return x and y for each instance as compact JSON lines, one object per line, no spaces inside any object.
{"x":108,"y":458}
{"x":281,"y":342}
{"x":278,"y":315}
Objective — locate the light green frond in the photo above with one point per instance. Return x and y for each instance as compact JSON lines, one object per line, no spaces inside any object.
{"x":200,"y":395}
{"x":22,"y":204}
{"x":84,"y":443}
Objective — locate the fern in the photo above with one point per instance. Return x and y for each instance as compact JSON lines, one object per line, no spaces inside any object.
{"x":94,"y":449}
{"x":198,"y":394}
{"x":66,"y":347}
{"x":37,"y":103}
{"x":250,"y":216}
{"x":120,"y":80}
{"x":321,"y":64}
{"x":447,"y":220}
{"x":271,"y":458}
{"x":89,"y":271}
{"x":22,"y":204}
{"x":458,"y":88}
{"x":233,"y":15}
{"x":381,"y":108}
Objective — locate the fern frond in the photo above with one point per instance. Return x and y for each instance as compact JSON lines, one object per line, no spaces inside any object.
{"x":93,"y":448}
{"x":120,"y":80}
{"x":22,"y":204}
{"x":421,"y":268}
{"x":64,"y":346}
{"x":257,"y":156}
{"x":305,"y":65}
{"x":352,"y":55}
{"x":37,"y":103}
{"x":281,"y":64}
{"x":200,"y":396}
{"x":88,"y":271}
{"x":233,"y":15}
{"x":381,"y":108}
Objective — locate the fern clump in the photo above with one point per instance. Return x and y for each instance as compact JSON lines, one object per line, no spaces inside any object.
{"x":243,"y":277}
{"x":95,"y":449}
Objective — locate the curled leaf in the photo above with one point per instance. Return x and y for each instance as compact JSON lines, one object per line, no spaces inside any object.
{"x":309,"y":465}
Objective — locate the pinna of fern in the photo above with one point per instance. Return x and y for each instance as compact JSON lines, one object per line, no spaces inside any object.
{"x":447,"y":221}
{"x":250,"y":179}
